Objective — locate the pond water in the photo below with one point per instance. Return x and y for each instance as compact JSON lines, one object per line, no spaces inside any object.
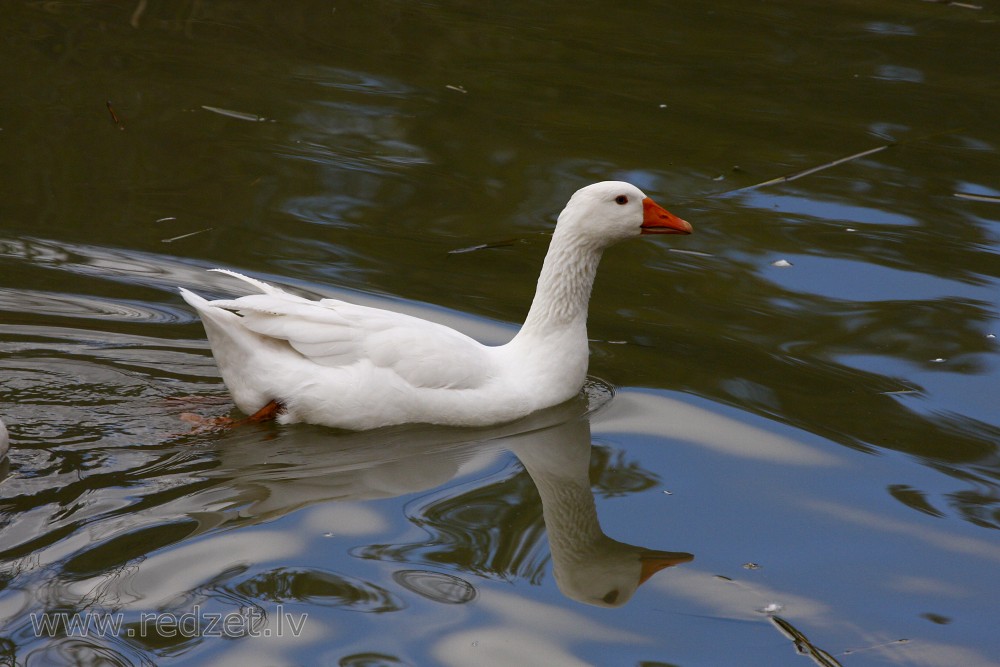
{"x":792,"y":413}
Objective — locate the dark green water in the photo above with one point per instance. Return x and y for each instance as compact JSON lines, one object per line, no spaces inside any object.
{"x":823,"y":437}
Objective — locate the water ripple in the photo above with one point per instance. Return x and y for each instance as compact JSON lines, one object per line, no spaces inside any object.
{"x":436,"y":586}
{"x":39,"y":302}
{"x":321,"y":587}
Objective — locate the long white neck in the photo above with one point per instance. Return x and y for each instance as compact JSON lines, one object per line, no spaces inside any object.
{"x":564,"y":286}
{"x":550,"y":353}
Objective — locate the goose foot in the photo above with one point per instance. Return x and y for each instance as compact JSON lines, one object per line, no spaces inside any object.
{"x":267,"y":413}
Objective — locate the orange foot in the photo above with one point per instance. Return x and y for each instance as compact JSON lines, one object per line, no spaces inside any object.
{"x":267,"y":413}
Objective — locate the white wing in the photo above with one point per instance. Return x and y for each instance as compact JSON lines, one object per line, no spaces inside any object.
{"x":336,"y":333}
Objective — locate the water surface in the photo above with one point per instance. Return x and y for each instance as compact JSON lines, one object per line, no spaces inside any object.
{"x":802,"y":396}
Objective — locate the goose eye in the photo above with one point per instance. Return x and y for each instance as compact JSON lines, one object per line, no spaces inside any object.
{"x":621,"y":200}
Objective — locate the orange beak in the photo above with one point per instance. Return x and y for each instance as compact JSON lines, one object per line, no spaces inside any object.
{"x":654,"y":561}
{"x":658,"y":220}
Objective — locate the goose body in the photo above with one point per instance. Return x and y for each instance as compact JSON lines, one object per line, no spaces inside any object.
{"x":4,"y":441}
{"x":339,"y":364}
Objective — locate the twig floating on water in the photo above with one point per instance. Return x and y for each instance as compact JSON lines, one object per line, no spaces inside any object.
{"x":952,"y":3}
{"x":184,"y":236}
{"x":238,"y":115}
{"x":834,"y":163}
{"x":895,"y":642}
{"x":137,"y":14}
{"x":114,"y":116}
{"x":683,"y":251}
{"x":974,"y":197}
{"x":806,"y":172}
{"x":482,"y":246}
{"x":166,"y":219}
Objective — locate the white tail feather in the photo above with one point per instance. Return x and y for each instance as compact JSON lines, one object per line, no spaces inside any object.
{"x":262,"y":286}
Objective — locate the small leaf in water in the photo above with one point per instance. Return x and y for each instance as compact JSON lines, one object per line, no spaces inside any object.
{"x":936,"y":618}
{"x":114,"y":116}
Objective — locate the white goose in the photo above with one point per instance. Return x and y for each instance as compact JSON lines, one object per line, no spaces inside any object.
{"x":4,"y":441}
{"x":339,"y":364}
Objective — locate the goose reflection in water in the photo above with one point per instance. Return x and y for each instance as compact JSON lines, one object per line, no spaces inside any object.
{"x":588,"y":565}
{"x":307,"y":466}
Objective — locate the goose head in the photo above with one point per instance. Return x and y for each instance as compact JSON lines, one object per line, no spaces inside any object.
{"x":611,"y":571}
{"x":611,"y":211}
